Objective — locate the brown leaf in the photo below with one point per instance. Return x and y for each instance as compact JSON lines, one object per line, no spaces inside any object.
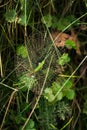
{"x":60,"y":39}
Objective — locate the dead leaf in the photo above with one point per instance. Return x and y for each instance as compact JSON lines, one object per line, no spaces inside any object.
{"x":60,"y":39}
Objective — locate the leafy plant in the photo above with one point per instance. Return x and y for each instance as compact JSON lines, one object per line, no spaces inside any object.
{"x":70,"y":44}
{"x":30,"y":125}
{"x":47,"y":115}
{"x":64,"y":22}
{"x":63,"y":110}
{"x":64,"y":59}
{"x":67,"y":91}
{"x":48,"y":94}
{"x":47,"y":20}
{"x":28,"y":17}
{"x":26,"y":12}
{"x":23,"y":18}
{"x":22,"y":51}
{"x":11,"y":15}
{"x":57,"y":23}
{"x":25,"y":82}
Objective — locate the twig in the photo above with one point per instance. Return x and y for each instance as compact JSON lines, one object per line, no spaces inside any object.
{"x":11,"y":97}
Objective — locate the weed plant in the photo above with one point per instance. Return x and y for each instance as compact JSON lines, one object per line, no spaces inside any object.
{"x":43,"y":59}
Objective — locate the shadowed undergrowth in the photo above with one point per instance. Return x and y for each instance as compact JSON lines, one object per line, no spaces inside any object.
{"x":43,"y":61}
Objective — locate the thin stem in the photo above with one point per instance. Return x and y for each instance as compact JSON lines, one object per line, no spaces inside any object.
{"x":11,"y":97}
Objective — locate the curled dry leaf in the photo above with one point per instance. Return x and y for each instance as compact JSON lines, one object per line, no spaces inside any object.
{"x":60,"y":39}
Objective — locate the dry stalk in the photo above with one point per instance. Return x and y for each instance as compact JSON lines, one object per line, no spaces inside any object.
{"x":11,"y":97}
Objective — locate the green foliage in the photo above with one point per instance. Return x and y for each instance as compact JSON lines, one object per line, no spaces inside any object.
{"x":22,"y":51}
{"x":55,"y":88}
{"x":57,"y":23}
{"x":11,"y":15}
{"x":25,"y":5}
{"x":26,"y":12}
{"x":54,"y":22}
{"x":47,"y":116}
{"x":64,"y":59}
{"x":67,"y":91}
{"x":47,"y":20}
{"x":22,"y":2}
{"x":30,"y":125}
{"x":24,"y":16}
{"x":40,"y":66}
{"x":63,"y":110}
{"x":23,"y":19}
{"x":25,"y":82}
{"x":18,"y":118}
{"x":64,"y":22}
{"x":49,"y":94}
{"x":55,"y":106}
{"x":70,"y":44}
